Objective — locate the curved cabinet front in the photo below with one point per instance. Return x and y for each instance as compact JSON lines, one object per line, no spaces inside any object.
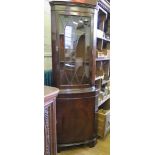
{"x":76,"y":118}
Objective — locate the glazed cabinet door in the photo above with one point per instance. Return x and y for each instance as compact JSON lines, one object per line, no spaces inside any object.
{"x":72,"y":48}
{"x":75,"y":50}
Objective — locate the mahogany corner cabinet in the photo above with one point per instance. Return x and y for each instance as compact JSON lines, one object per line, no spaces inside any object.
{"x":73,"y":66}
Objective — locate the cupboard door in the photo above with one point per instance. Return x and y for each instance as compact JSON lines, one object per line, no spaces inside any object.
{"x":75,"y":49}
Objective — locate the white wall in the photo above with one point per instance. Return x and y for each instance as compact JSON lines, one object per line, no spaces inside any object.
{"x":47,"y":36}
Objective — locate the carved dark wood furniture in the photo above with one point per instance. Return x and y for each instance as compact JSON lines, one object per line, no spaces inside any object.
{"x":50,"y":140}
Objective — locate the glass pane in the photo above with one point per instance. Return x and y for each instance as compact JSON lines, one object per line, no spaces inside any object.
{"x":75,"y":51}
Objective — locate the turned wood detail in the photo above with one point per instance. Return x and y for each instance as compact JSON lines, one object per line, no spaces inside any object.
{"x":46,"y":132}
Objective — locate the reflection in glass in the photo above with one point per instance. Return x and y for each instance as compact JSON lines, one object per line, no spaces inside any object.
{"x":75,"y":49}
{"x":68,"y":37}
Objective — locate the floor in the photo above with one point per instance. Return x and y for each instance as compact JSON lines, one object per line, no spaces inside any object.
{"x":101,"y":148}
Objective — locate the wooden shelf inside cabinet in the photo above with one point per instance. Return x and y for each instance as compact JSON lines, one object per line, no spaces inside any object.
{"x":106,"y":39}
{"x":105,"y":82}
{"x":103,"y":54}
{"x":104,"y":100}
{"x":102,"y":78}
{"x":99,"y":78}
{"x":105,"y":5}
{"x":102,"y":59}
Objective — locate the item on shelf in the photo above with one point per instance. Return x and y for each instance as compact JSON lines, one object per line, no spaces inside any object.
{"x":103,"y":118}
{"x":99,"y":44}
{"x":101,"y":96}
{"x":100,"y":55}
{"x":107,"y":91}
{"x":101,"y":20}
{"x":104,"y":51}
{"x":108,"y":53}
{"x":99,"y":70}
{"x":107,"y":36}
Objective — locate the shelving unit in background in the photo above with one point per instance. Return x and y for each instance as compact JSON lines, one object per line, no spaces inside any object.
{"x":102,"y":79}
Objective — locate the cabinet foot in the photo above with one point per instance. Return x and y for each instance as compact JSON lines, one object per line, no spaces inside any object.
{"x":92,"y":144}
{"x":58,"y":149}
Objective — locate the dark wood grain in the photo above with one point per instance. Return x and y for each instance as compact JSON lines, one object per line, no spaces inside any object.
{"x":76,"y":118}
{"x":75,"y":110}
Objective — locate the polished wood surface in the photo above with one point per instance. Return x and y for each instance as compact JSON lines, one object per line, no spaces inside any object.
{"x":91,"y":2}
{"x":50,"y":94}
{"x":76,"y":122}
{"x":75,"y":110}
{"x":50,"y":140}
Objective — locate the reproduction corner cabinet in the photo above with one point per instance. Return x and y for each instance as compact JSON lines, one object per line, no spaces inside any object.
{"x":73,"y":61}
